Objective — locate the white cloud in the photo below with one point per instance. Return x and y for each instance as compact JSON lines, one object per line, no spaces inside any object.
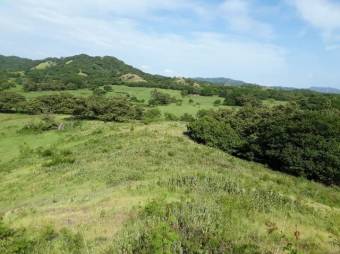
{"x":238,"y":15}
{"x":321,"y":14}
{"x":61,"y":28}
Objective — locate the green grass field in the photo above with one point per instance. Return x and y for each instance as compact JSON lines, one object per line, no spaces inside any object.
{"x":142,"y":93}
{"x":119,"y":183}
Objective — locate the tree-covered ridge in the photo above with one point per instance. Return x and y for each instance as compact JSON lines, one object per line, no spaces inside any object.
{"x":14,"y":63}
{"x":76,"y":72}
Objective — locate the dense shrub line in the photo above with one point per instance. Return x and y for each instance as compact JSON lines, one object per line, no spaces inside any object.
{"x":299,"y":142}
{"x":94,"y":107}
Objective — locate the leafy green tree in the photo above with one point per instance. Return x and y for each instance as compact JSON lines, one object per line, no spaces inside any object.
{"x":159,"y":98}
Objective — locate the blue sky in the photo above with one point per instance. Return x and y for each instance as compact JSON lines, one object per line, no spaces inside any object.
{"x":270,"y":42}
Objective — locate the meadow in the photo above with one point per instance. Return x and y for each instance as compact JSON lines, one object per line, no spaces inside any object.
{"x":148,"y":188}
{"x":191,"y":104}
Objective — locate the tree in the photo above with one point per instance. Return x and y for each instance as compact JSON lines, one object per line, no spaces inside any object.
{"x":159,"y":98}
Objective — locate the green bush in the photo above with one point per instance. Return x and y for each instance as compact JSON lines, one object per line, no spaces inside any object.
{"x":46,"y":240}
{"x":108,"y":88}
{"x":159,"y":98}
{"x":99,"y":91}
{"x":108,"y":109}
{"x":11,"y":102}
{"x":46,"y":123}
{"x":187,"y":118}
{"x":170,"y":117}
{"x":152,"y":114}
{"x":213,"y":132}
{"x":13,"y":241}
{"x":217,"y":103}
{"x":301,"y":143}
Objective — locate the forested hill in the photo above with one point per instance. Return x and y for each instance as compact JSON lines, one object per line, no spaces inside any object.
{"x":14,"y":63}
{"x":80,"y":71}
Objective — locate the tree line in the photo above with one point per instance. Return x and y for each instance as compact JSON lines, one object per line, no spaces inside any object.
{"x":117,"y":109}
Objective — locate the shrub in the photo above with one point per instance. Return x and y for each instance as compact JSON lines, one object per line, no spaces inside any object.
{"x":107,"y":88}
{"x":187,"y":118}
{"x":11,"y":102}
{"x":153,"y":114}
{"x":301,"y":143}
{"x":217,"y":103}
{"x":47,"y":240}
{"x":59,"y":103}
{"x":108,"y":109}
{"x":213,"y":132}
{"x":14,"y":241}
{"x":99,"y":92}
{"x":170,"y":117}
{"x":46,"y":123}
{"x":159,"y":98}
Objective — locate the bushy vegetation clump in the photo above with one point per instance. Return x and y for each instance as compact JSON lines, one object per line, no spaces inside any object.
{"x":299,"y":142}
{"x":12,"y":102}
{"x":108,"y":109}
{"x":46,"y":123}
{"x":46,"y":240}
{"x":159,"y":98}
{"x":95,"y":107}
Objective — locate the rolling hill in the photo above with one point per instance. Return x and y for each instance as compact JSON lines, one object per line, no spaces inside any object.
{"x":80,"y":71}
{"x":325,"y":90}
{"x":134,"y":188}
{"x":89,"y":165}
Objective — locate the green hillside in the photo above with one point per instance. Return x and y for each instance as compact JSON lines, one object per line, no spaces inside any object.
{"x":14,"y":63}
{"x":97,"y":156}
{"x":132,"y":188}
{"x":80,"y":71}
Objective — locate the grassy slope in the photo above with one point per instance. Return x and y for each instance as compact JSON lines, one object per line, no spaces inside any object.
{"x":119,"y":168}
{"x":142,"y":93}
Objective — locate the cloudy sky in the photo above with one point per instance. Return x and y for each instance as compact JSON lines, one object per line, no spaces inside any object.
{"x":270,"y":42}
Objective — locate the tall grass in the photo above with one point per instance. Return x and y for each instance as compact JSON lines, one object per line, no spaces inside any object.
{"x":136,"y":188}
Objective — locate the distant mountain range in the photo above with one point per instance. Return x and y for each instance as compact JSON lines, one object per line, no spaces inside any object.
{"x":233,"y":82}
{"x":222,"y":81}
{"x":325,"y":90}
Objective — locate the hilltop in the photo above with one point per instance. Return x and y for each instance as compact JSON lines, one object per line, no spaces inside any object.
{"x":133,"y":188}
{"x":80,"y":71}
